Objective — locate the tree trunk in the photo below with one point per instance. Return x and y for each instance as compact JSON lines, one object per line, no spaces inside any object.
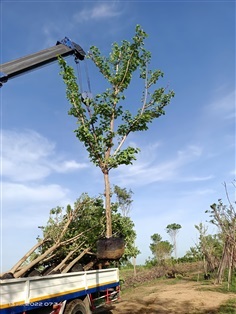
{"x":231,"y":265}
{"x":108,"y":204}
{"x":205,"y":264}
{"x":63,"y":262}
{"x":89,"y":265}
{"x":36,"y":261}
{"x":222,"y":266}
{"x":175,"y":247}
{"x":24,"y":258}
{"x":72,"y":263}
{"x":134,"y":265}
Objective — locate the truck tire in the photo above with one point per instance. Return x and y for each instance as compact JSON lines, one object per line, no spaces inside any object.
{"x":76,"y":307}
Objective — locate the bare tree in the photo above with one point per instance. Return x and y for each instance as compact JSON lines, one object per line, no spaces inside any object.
{"x":124,"y":199}
{"x":224,"y":217}
{"x":209,"y":246}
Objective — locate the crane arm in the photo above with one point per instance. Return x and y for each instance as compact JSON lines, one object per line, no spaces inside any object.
{"x":19,"y":66}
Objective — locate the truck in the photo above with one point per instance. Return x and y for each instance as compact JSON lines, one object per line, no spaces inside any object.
{"x":81,"y":292}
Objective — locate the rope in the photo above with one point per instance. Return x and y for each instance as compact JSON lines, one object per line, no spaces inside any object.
{"x":84,"y":94}
{"x":87,"y":76}
{"x":79,"y":76}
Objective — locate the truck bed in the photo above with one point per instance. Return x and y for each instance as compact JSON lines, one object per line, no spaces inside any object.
{"x":24,"y":294}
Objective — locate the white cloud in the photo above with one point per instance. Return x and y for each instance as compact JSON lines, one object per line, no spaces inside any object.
{"x":50,"y":34}
{"x":69,"y":165}
{"x":206,"y":191}
{"x":28,"y":156}
{"x":189,"y":152}
{"x":24,"y":208}
{"x":233,"y":172}
{"x":100,"y":11}
{"x":15,"y":143}
{"x":16,"y":193}
{"x":31,"y":201}
{"x":147,"y":169}
{"x":196,"y":178}
{"x":223,"y":106}
{"x":27,"y":160}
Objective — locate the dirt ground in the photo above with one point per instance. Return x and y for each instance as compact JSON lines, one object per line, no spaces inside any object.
{"x":167,"y":298}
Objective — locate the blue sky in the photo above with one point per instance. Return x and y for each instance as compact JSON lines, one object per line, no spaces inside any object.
{"x":185,"y":156}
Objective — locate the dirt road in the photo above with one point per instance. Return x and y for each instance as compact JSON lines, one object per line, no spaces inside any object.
{"x":171,"y":298}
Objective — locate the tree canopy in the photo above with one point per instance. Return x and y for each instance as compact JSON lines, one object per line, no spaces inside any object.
{"x":172,"y":230}
{"x":124,"y":199}
{"x":160,"y":249}
{"x":103,"y":123}
{"x":224,"y":217}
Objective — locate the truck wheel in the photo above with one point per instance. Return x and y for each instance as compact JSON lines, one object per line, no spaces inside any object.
{"x":76,"y":307}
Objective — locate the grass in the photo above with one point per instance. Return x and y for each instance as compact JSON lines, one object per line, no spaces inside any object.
{"x":228,"y":307}
{"x":223,"y":288}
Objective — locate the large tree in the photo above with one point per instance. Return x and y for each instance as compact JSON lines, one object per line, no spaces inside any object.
{"x":105,"y":121}
{"x":224,"y":217}
{"x":173,"y":230}
{"x":209,"y":248}
{"x":160,"y":249}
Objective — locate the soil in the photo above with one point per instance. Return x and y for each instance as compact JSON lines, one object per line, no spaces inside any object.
{"x":171,"y":297}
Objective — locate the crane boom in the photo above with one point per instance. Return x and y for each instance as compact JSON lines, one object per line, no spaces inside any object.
{"x":19,"y":66}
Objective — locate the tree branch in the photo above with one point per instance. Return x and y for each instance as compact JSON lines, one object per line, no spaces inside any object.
{"x":145,"y":90}
{"x":24,"y":258}
{"x":126,"y":70}
{"x":72,"y":263}
{"x":58,"y":267}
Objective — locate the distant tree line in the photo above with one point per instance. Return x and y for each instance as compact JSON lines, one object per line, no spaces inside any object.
{"x":217,"y":251}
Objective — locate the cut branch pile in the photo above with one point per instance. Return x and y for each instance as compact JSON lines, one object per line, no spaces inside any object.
{"x":68,"y":244}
